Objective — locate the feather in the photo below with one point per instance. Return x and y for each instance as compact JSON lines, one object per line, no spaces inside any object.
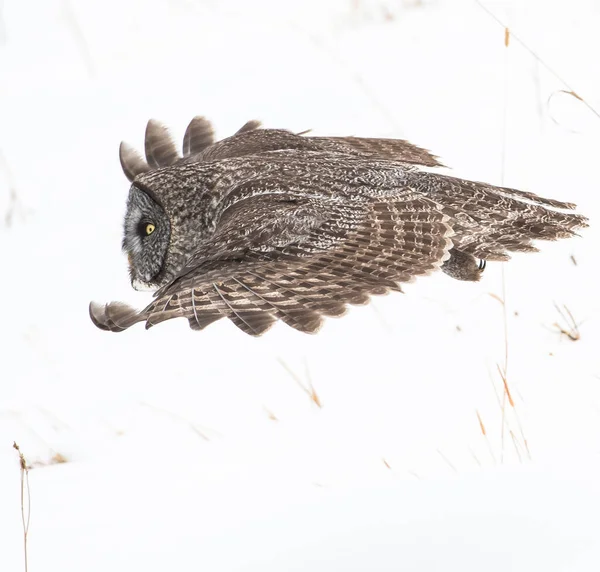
{"x":393,"y":149}
{"x":489,"y":222}
{"x":114,"y":317}
{"x":273,"y":299}
{"x":251,"y":125}
{"x":236,"y":307}
{"x":132,"y":162}
{"x":198,"y":136}
{"x":160,"y":148}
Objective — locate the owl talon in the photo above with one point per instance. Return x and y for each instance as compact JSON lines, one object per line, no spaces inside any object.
{"x":482,"y":264}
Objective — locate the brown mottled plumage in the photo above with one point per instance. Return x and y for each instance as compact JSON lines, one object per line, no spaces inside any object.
{"x":268,"y":225}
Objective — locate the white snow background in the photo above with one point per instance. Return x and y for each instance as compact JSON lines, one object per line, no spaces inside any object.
{"x":204,"y":450}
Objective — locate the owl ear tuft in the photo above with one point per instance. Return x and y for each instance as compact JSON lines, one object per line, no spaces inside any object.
{"x":198,"y":136}
{"x":132,"y":162}
{"x":251,"y":125}
{"x":160,"y":148}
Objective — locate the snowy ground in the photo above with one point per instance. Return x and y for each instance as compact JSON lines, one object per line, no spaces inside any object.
{"x":205,"y":451}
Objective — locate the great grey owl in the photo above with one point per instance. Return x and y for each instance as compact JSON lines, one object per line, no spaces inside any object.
{"x":270,"y":225}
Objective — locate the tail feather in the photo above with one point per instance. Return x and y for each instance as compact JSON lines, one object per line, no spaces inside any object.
{"x":490,"y":222}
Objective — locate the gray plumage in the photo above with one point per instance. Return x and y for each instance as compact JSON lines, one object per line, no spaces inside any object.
{"x":268,"y":225}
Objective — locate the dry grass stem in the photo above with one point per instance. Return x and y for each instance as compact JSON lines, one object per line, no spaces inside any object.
{"x":25,"y":499}
{"x":270,"y":414}
{"x":308,"y":388}
{"x":447,"y":461}
{"x":569,"y":327}
{"x":481,"y":425}
{"x":202,"y":433}
{"x":485,"y":436}
{"x":516,"y":444}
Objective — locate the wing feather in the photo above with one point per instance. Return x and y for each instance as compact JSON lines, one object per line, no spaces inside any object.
{"x":234,"y":303}
{"x":390,"y":149}
{"x":300,"y":283}
{"x":132,"y":162}
{"x":249,"y":126}
{"x":198,"y":136}
{"x":160,"y":148}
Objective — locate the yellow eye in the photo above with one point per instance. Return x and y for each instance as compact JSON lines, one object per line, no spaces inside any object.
{"x":150,"y":228}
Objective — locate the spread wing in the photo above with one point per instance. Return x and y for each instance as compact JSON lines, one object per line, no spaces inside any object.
{"x":286,"y":256}
{"x":199,"y":145}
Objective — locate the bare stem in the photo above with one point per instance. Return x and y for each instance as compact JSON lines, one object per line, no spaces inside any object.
{"x":25,"y":499}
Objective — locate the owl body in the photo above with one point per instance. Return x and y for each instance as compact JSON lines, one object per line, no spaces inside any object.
{"x":268,"y":225}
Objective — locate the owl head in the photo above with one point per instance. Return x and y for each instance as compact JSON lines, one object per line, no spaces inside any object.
{"x":146,"y":237}
{"x":168,"y":208}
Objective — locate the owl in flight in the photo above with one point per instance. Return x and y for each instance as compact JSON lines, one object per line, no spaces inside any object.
{"x":270,"y":225}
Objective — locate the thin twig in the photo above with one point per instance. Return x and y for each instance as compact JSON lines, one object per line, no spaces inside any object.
{"x":25,"y":496}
